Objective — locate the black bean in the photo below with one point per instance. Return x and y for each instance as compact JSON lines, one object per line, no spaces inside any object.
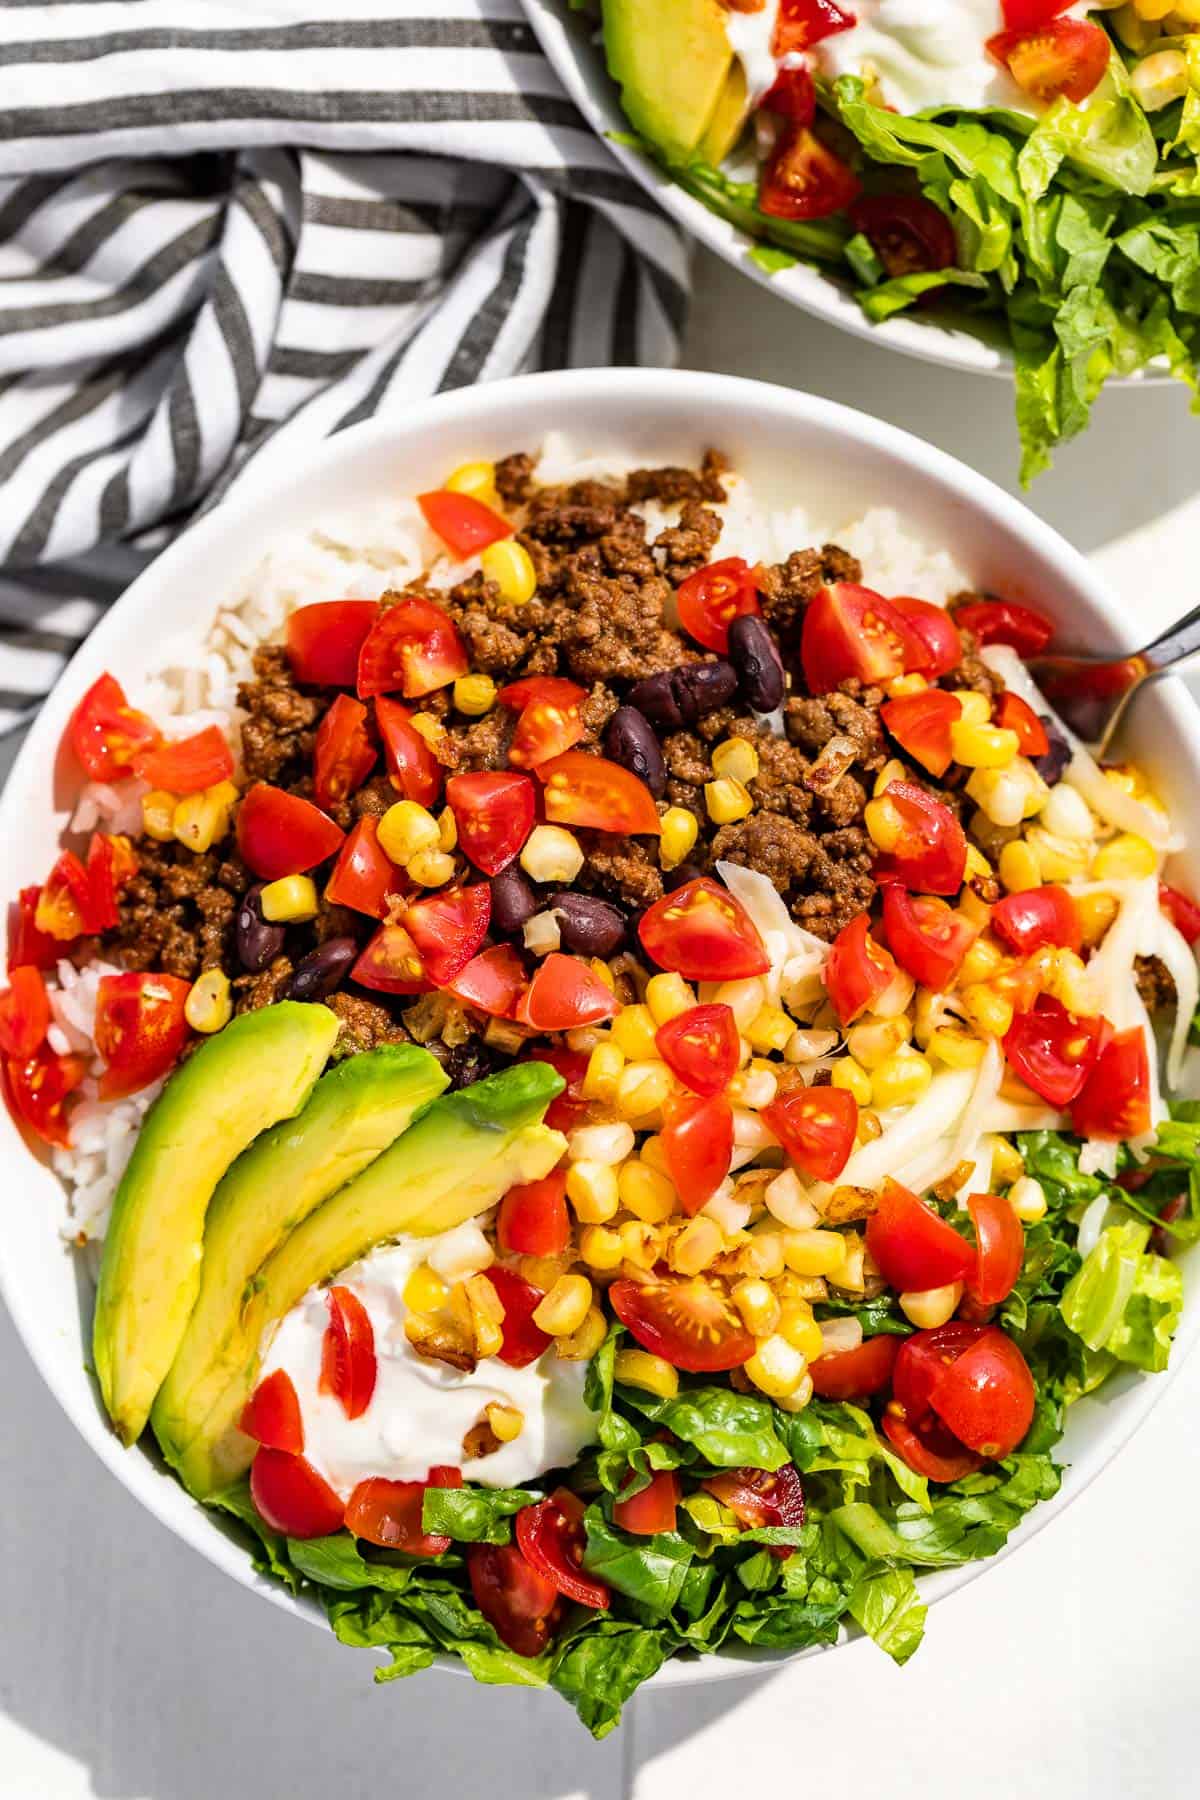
{"x":513,"y":901}
{"x":655,"y":700}
{"x":258,"y":943}
{"x":323,"y":969}
{"x":680,"y":875}
{"x":629,"y":739}
{"x":755,"y":656}
{"x":1052,"y":766}
{"x":699,"y":688}
{"x":586,"y":925}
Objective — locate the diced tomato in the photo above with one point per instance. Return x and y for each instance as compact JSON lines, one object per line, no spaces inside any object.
{"x":1183,"y":913}
{"x":494,"y":813}
{"x":908,"y":233}
{"x":1052,"y":1051}
{"x":1115,"y":1101}
{"x":37,"y":1088}
{"x":760,"y":1498}
{"x":448,"y":929}
{"x":702,"y":1046}
{"x":411,"y":763}
{"x":912,"y":1246}
{"x":568,"y":1109}
{"x":24,"y":1013}
{"x":517,"y":695}
{"x":565,"y":993}
{"x":702,"y":933}
{"x":857,"y":970}
{"x":523,"y":1341}
{"x":292,"y":1498}
{"x":688,"y":1322}
{"x":140,"y":1029}
{"x":999,"y":1248}
{"x":985,"y":1395}
{"x":348,"y":1364}
{"x":803,"y":23}
{"x":1015,"y":714}
{"x":920,"y":724}
{"x":110,"y":864}
{"x":928,"y":938}
{"x":64,"y":906}
{"x":493,"y":981}
{"x":272,"y":1414}
{"x":323,"y":641}
{"x":344,"y":755}
{"x":1066,"y":59}
{"x":413,"y":648}
{"x":652,"y":1509}
{"x":1005,"y":622}
{"x":552,"y":1540}
{"x":592,"y":791}
{"x":933,"y":1452}
{"x":27,"y":946}
{"x":931,"y":852}
{"x":1031,"y":15}
{"x":391,"y":964}
{"x":364,"y":877}
{"x":523,"y":1607}
{"x":187,"y":765}
{"x":936,"y":630}
{"x":546,"y":729}
{"x":854,"y":1374}
{"x":804,"y":178}
{"x":851,"y":632}
{"x":533,"y":1217}
{"x":283,"y":834}
{"x":106,"y":733}
{"x":816,"y":1126}
{"x":389,"y":1513}
{"x":793,"y":96}
{"x":465,"y":524}
{"x":1045,"y":915}
{"x":697,"y":1144}
{"x":710,"y":600}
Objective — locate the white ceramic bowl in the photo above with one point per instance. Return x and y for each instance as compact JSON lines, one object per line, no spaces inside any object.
{"x":793,"y":447}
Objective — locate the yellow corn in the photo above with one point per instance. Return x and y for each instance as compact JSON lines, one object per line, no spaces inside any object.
{"x":641,"y":1244}
{"x":884,"y":823}
{"x":158,"y":815}
{"x":901,"y":1080}
{"x":592,"y":1191}
{"x":1135,"y":31}
{"x":977,"y":866}
{"x":931,"y":1307}
{"x":486,"y":1312}
{"x":891,"y":771}
{"x":727,"y":801}
{"x":679,"y":831}
{"x":551,"y":853}
{"x":667,"y":996}
{"x":776,"y":1368}
{"x":1018,"y":868}
{"x":478,"y":479}
{"x":447,"y":830}
{"x":428,"y":726}
{"x":209,"y":1007}
{"x":405,"y":830}
{"x":987,"y":1010}
{"x":813,"y":1251}
{"x":510,"y":566}
{"x":755,"y":1086}
{"x":736,"y":759}
{"x":1127,"y":858}
{"x":696,"y":1247}
{"x":507,"y":1422}
{"x":744,"y":999}
{"x":653,"y":1374}
{"x":633,"y":1032}
{"x":983,"y":746}
{"x":957,"y":1049}
{"x":652,"y":1153}
{"x":431,"y":868}
{"x":1027,"y":1198}
{"x":983,"y":960}
{"x":769,"y":1030}
{"x":974,"y":708}
{"x":868,"y":1128}
{"x":1058,"y":858}
{"x":1070,"y":982}
{"x":474,"y":695}
{"x":582,"y":1345}
{"x":1001,"y":794}
{"x":642,"y":1088}
{"x":1007,"y":1166}
{"x":601,"y":1248}
{"x":201,"y":820}
{"x":905,"y":684}
{"x":851,"y":1277}
{"x":645,"y":1192}
{"x":425,"y":1291}
{"x":603,"y":1071}
{"x":872,"y":1042}
{"x":565,"y":1307}
{"x":758,"y":1307}
{"x":290,"y":900}
{"x":801,"y":1330}
{"x":848,"y":1074}
{"x":1096,"y":914}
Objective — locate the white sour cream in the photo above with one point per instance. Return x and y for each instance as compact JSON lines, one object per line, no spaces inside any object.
{"x":421,"y":1410}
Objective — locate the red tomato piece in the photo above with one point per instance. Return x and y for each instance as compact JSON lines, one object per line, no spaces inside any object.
{"x":592,"y":791}
{"x":27,"y":946}
{"x":1031,"y":15}
{"x":816,"y":1126}
{"x":344,"y":755}
{"x":697,"y":1142}
{"x":106,"y":733}
{"x":927,"y":937}
{"x":494,"y":813}
{"x":936,"y":630}
{"x":760,"y":1498}
{"x":702,"y":1046}
{"x":653,"y":1509}
{"x":1115,"y":1101}
{"x":348,"y":1364}
{"x":565,"y":993}
{"x":24,"y":1013}
{"x":1183,"y":913}
{"x":413,"y":767}
{"x":702,"y":933}
{"x":140,"y":1029}
{"x":853,"y":1374}
{"x":465,"y":524}
{"x":412,"y":648}
{"x":1045,"y":915}
{"x":364,"y":877}
{"x":1015,"y":714}
{"x":933,"y":1451}
{"x":37,"y":1088}
{"x":569,"y":1108}
{"x":851,"y":632}
{"x":1066,"y":59}
{"x":986,"y":1396}
{"x":282,"y":834}
{"x":793,"y":96}
{"x":448,"y":929}
{"x":493,"y":981}
{"x":292,"y":1498}
{"x":805,"y":179}
{"x":931,"y":849}
{"x":908,"y":233}
{"x":389,"y":1513}
{"x":523,"y":1606}
{"x":272,"y":1414}
{"x":110,"y":864}
{"x":533,"y":1218}
{"x":187,"y":765}
{"x":688,"y":1322}
{"x":323,"y":641}
{"x":999,"y":1248}
{"x":924,"y":1358}
{"x":1005,"y":622}
{"x":391,"y":964}
{"x":711,"y":599}
{"x":1052,"y":1051}
{"x":920,"y":724}
{"x":545,"y":730}
{"x":64,"y":908}
{"x":857,"y":970}
{"x":912,"y":1246}
{"x":517,"y":695}
{"x":552,"y":1540}
{"x":524,"y":1341}
{"x":803,"y":23}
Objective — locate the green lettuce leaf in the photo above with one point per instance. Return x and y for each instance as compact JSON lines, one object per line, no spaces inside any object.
{"x":1124,"y":1300}
{"x":474,"y":1515}
{"x":885,"y":1603}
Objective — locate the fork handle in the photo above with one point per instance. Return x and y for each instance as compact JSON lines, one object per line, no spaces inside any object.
{"x":1179,"y":643}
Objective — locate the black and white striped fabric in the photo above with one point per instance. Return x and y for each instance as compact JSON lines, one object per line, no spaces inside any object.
{"x":226,"y":225}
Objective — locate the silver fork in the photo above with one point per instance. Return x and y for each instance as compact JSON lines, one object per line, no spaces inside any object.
{"x":1092,"y":692}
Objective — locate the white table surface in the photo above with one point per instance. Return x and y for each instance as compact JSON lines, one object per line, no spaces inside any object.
{"x":131,"y":1670}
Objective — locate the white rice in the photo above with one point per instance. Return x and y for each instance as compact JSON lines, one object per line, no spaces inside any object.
{"x":360,"y":553}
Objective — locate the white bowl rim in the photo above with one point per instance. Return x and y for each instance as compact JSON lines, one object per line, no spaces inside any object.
{"x":139,"y":1472}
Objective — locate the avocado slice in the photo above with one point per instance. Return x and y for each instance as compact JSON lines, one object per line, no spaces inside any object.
{"x":354,"y":1112}
{"x":728,"y":120}
{"x":257,"y":1070}
{"x":459,"y":1159}
{"x":671,"y":58}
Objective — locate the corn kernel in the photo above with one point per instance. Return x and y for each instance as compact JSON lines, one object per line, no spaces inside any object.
{"x":851,"y":1277}
{"x":447,"y":830}
{"x":540,"y":934}
{"x":406,"y":829}
{"x":1058,"y":858}
{"x":983,"y":746}
{"x":667,"y":996}
{"x":1096,"y":913}
{"x":641,"y":1244}
{"x":814,"y":1252}
{"x":758,"y":1307}
{"x":642,"y":1087}
{"x":507,"y":1422}
{"x":1000,"y":794}
{"x":769,"y":1030}
{"x":486,"y":1313}
{"x":209,"y":1007}
{"x":884,"y":823}
{"x":800,"y":1396}
{"x":565,"y":1307}
{"x":987,"y":1010}
{"x":610,"y":1143}
{"x":744,"y":999}
{"x":727,"y":801}
{"x":653,"y":1374}
{"x":474,"y":695}
{"x":478,"y":479}
{"x":601,"y":1248}
{"x":1007,"y":1165}
{"x":872,"y":1042}
{"x":429,"y":727}
{"x":1127,"y":858}
{"x":696,"y":1247}
{"x":1027,"y":1198}
{"x":776,"y":1368}
{"x":849,"y":1074}
{"x":787,"y":1201}
{"x":905,"y":684}
{"x":552,"y":853}
{"x":974,"y":708}
{"x":431,"y":868}
{"x":736,"y":759}
{"x":931,"y":1307}
{"x":977,"y":866}
{"x":425,"y":1291}
{"x":1161,"y":79}
{"x":901,"y":1080}
{"x":592,"y":1191}
{"x":956,"y":1048}
{"x":582,"y":1345}
{"x":679,"y":831}
{"x":646,"y":1193}
{"x":633,"y":1032}
{"x":510,"y":566}
{"x":755,"y":1086}
{"x":290,"y":900}
{"x":894,"y":770}
{"x":1135,"y":31}
{"x":201,"y":820}
{"x":1018,"y":868}
{"x":1067,"y":814}
{"x":983,"y":960}
{"x":604,"y":1067}
{"x":158,"y":815}
{"x":1069,"y":981}
{"x":801,"y":1330}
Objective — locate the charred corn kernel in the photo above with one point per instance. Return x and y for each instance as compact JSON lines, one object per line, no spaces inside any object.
{"x":737,"y":759}
{"x":762,"y":1255}
{"x":977,"y":867}
{"x":814,"y":1252}
{"x":425,"y":1291}
{"x":757,"y":1306}
{"x":1067,"y":813}
{"x":974,"y":709}
{"x":290,"y":901}
{"x":954,"y":1047}
{"x":592,"y":1191}
{"x":486,"y":1314}
{"x":983,"y":746}
{"x":727,"y":800}
{"x":474,"y":695}
{"x":429,"y":727}
{"x":1096,"y":913}
{"x":696,"y":1247}
{"x":646,"y":1193}
{"x":1127,"y":858}
{"x":406,"y":829}
{"x":849,"y":1074}
{"x":1000,"y":794}
{"x":610,"y":1143}
{"x":667,"y":996}
{"x":507,"y":1422}
{"x":641,"y":1244}
{"x":769,"y":1030}
{"x":884,"y":823}
{"x":510,"y":566}
{"x":478,"y":479}
{"x":1027,"y":1198}
{"x":565,"y":1307}
{"x":642,"y":1087}
{"x":867,"y":1128}
{"x":801,"y":1330}
{"x":930,"y":1307}
{"x":987,"y":1010}
{"x":755,"y":1086}
{"x":633,"y":1032}
{"x":743,"y":998}
{"x":1058,"y":858}
{"x":1007,"y":1166}
{"x":851,"y":1277}
{"x":447,"y":830}
{"x":584,"y":1038}
{"x":158,"y":815}
{"x":893,"y":770}
{"x":905,"y":684}
{"x":679,"y":831}
{"x":602,"y":1073}
{"x":1018,"y":868}
{"x":201,"y":820}
{"x":983,"y":960}
{"x":872,"y":1042}
{"x":653,"y":1374}
{"x":901,"y":1080}
{"x":601,"y":1248}
{"x":551,"y":853}
{"x":208,"y":1006}
{"x":431,"y":868}
{"x":582,"y":1345}
{"x":776,"y":1368}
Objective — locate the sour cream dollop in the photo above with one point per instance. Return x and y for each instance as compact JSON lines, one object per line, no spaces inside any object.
{"x":421,"y":1410}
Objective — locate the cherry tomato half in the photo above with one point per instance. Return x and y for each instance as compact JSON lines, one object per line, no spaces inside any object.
{"x":391,"y":964}
{"x":323,"y":641}
{"x":517,"y":695}
{"x":857,"y":970}
{"x":852,"y":632}
{"x":816,"y":1126}
{"x":592,"y":791}
{"x":186,"y":765}
{"x":1005,"y":622}
{"x":523,"y":1341}
{"x":702,"y":1047}
{"x":494,"y":813}
{"x":702,"y":933}
{"x":27,"y":946}
{"x":412,"y":648}
{"x":533,"y":1219}
{"x":760,"y":1498}
{"x":930,"y":855}
{"x":140,"y":1029}
{"x":493,"y":981}
{"x":1045,"y":915}
{"x":389,"y":1513}
{"x":913,"y":1248}
{"x":565,"y":993}
{"x":688,"y":1322}
{"x":853,"y":1374}
{"x":1031,"y":15}
{"x":793,"y":96}
{"x":272,"y":1414}
{"x":523,"y":1606}
{"x":283,"y":834}
{"x":1066,"y":59}
{"x":651,"y":1510}
{"x":908,"y":233}
{"x":106,"y":733}
{"x":986,"y":1396}
{"x":936,"y":630}
{"x":37,"y":1088}
{"x":931,"y":1450}
{"x":413,"y":767}
{"x":697,"y":1143}
{"x":344,"y":755}
{"x":804,"y":179}
{"x":24,"y":1013}
{"x":545,"y":730}
{"x":711,"y":599}
{"x":999,"y":1248}
{"x":462,"y":522}
{"x":64,"y":908}
{"x":568,"y":1108}
{"x":803,"y":23}
{"x":552,"y":1540}
{"x":920,"y":724}
{"x":1052,"y":1051}
{"x":928,"y":938}
{"x":1115,"y":1101}
{"x":110,"y":864}
{"x":448,"y":929}
{"x":292,"y":1498}
{"x":364,"y":877}
{"x":348,"y":1363}
{"x":1015,"y":714}
{"x":1183,"y":912}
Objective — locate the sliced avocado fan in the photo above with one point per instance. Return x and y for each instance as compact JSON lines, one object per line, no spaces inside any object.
{"x":673,"y":60}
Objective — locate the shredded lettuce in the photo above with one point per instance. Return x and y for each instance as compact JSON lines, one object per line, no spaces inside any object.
{"x":1125,"y":1300}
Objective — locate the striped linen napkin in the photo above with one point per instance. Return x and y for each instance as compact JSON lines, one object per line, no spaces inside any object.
{"x":231,"y":225}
